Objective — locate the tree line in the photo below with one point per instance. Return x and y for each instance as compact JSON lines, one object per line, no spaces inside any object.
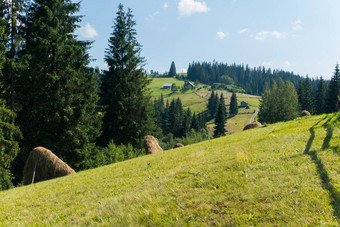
{"x":252,"y":80}
{"x":282,"y":102}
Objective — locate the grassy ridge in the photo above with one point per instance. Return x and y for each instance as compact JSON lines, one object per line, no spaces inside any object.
{"x":282,"y":174}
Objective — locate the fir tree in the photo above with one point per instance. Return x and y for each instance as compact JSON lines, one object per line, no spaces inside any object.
{"x":124,"y":89}
{"x":9,"y":133}
{"x":305,"y":95}
{"x":58,"y":90}
{"x":219,"y":129}
{"x":222,"y":101}
{"x":233,"y":109}
{"x":320,"y":99}
{"x":333,"y":91}
{"x":172,"y":71}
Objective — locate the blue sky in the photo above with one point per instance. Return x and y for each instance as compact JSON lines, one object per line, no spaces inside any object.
{"x":302,"y":36}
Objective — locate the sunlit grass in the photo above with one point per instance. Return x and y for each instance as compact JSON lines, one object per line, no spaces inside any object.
{"x":286,"y":174}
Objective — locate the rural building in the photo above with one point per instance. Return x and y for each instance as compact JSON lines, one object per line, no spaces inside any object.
{"x":188,"y":83}
{"x":244,"y":104}
{"x":229,"y":87}
{"x":167,"y":86}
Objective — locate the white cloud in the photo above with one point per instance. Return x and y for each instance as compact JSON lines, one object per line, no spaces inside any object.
{"x":87,"y":31}
{"x":267,"y":63}
{"x":243,"y":30}
{"x":286,"y":63}
{"x":297,"y":25}
{"x":221,"y":35}
{"x":166,"y":5}
{"x":266,"y":34}
{"x":190,"y":7}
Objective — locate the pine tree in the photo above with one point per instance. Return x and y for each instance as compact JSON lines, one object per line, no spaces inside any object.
{"x":219,"y":122}
{"x":305,"y":95}
{"x":13,"y":19}
{"x":9,"y":133}
{"x":124,"y":89}
{"x":172,"y":71}
{"x":222,"y":101}
{"x":233,"y":109}
{"x":58,"y":90}
{"x":333,"y":91}
{"x":320,"y":99}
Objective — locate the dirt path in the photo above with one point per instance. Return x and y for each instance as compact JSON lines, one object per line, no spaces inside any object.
{"x":254,"y":115}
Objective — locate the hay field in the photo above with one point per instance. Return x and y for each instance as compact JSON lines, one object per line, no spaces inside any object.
{"x":285,"y":174}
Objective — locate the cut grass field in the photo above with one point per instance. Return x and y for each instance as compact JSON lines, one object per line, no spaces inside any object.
{"x":156,"y":85}
{"x":285,"y":174}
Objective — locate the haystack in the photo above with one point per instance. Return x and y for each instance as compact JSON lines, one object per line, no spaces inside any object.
{"x":254,"y":124}
{"x":151,"y":145}
{"x":177,"y":145}
{"x":305,"y":113}
{"x":42,"y":165}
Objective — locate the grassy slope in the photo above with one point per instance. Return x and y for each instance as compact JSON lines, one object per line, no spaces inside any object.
{"x":282,"y":174}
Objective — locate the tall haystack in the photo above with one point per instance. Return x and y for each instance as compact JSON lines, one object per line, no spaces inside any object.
{"x":151,"y":145}
{"x":254,"y":124}
{"x":42,"y":165}
{"x":177,"y":145}
{"x":305,"y":113}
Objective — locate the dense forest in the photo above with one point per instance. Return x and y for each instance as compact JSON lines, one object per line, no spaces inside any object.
{"x":252,"y":80}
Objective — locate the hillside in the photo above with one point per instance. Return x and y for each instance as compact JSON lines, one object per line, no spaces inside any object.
{"x":282,"y":174}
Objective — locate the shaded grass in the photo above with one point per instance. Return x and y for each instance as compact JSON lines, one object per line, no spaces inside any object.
{"x":261,"y":177}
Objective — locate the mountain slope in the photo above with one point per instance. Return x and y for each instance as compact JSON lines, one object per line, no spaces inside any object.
{"x":282,"y":174}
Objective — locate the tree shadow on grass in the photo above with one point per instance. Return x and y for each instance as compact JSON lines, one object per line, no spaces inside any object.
{"x":323,"y":174}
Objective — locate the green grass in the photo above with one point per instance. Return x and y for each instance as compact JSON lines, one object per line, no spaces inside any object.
{"x":286,"y":174}
{"x":156,"y":85}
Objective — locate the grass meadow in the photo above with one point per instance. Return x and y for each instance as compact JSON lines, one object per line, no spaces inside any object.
{"x":285,"y":174}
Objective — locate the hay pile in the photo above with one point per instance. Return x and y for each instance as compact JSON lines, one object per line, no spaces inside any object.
{"x":42,"y":165}
{"x":254,"y":124}
{"x":151,"y":145}
{"x":305,"y":113}
{"x":177,"y":145}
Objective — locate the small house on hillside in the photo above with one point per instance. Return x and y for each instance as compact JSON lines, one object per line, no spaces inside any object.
{"x":167,"y":86}
{"x":229,"y":87}
{"x":188,"y":83}
{"x":244,"y":104}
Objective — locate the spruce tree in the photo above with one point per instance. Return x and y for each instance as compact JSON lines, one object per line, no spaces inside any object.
{"x":9,"y":133}
{"x":233,"y":109}
{"x":320,"y":99}
{"x":172,"y":71}
{"x":58,"y":90}
{"x":222,"y":101}
{"x":219,"y":129}
{"x":305,"y":95}
{"x":124,"y":92}
{"x":333,"y":91}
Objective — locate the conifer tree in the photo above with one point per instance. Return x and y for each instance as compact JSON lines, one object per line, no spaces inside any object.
{"x":222,"y":101}
{"x":13,"y":17}
{"x":305,"y":95}
{"x":58,"y":90}
{"x":333,"y":91}
{"x":320,"y":99}
{"x":172,"y":71}
{"x":9,"y":133}
{"x":233,"y":109}
{"x":124,"y":92}
{"x":219,"y":129}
